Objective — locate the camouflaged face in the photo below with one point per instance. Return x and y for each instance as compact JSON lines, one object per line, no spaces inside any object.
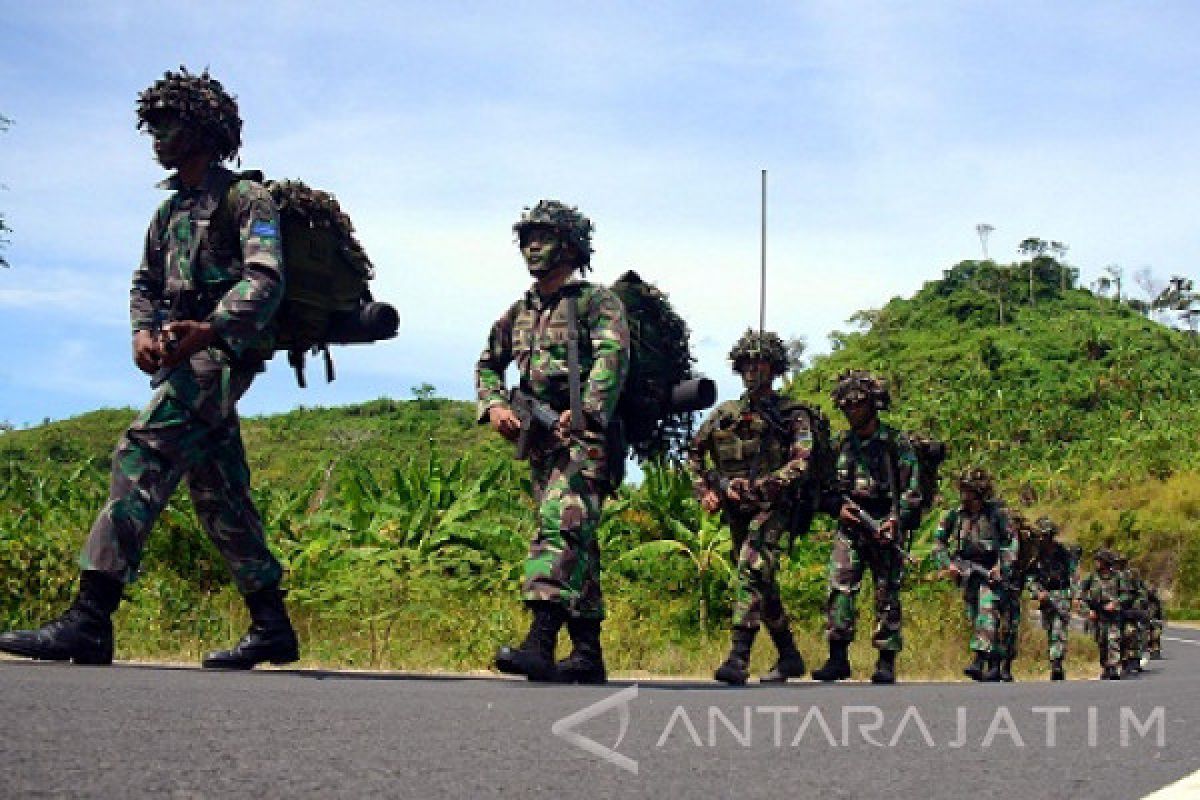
{"x":201,"y":103}
{"x":977,"y":479}
{"x":574,"y":228}
{"x":858,"y":385}
{"x":765,"y":346}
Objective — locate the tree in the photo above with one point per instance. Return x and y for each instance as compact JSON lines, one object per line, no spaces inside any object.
{"x":1105,"y":283}
{"x":796,"y":346}
{"x":1034,"y":248}
{"x":424,"y":394}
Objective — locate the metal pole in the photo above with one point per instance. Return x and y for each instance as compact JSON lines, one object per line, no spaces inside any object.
{"x":762,"y":281}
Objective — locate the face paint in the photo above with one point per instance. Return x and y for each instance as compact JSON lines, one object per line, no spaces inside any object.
{"x":172,"y":143}
{"x":542,"y":250}
{"x":756,"y":375}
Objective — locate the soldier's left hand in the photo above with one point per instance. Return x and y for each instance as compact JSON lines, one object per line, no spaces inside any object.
{"x":994,"y":574}
{"x":190,"y":337}
{"x":887,"y":531}
{"x":564,"y":425}
{"x":739,"y":488}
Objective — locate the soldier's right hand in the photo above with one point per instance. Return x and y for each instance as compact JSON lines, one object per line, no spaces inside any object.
{"x":847,"y":515}
{"x":147,"y":352}
{"x":504,"y":422}
{"x":710,"y":501}
{"x":953,"y":571}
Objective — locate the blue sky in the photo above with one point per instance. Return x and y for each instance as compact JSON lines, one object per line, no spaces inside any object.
{"x":889,"y":131}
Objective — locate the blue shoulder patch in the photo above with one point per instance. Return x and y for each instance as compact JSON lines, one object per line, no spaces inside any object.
{"x":262,"y":227}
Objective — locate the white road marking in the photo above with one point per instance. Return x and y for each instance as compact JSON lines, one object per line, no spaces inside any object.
{"x":1189,"y":787}
{"x":1175,"y":639}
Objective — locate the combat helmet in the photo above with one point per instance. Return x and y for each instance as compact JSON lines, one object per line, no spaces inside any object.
{"x":760,"y":345}
{"x":201,"y":103}
{"x":1104,"y":556}
{"x":857,"y":385}
{"x":978,"y":480}
{"x":574,"y":228}
{"x":1046,"y":527}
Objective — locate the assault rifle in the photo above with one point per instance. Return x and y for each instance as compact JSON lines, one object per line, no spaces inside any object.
{"x":536,"y":418}
{"x":968,"y":569}
{"x":874,"y":527}
{"x":161,"y":315}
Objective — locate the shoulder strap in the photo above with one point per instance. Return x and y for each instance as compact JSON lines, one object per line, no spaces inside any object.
{"x":573,"y":377}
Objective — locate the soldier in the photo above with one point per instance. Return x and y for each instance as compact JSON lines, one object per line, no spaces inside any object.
{"x":1154,"y":610}
{"x":1050,"y":582}
{"x":217,"y":298}
{"x":976,"y":544}
{"x":1131,"y":613}
{"x":570,"y":341}
{"x":1100,"y":591}
{"x":751,"y":460}
{"x":1010,"y":614}
{"x":876,"y":476}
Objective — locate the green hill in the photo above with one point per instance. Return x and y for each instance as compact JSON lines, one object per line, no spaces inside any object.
{"x":1081,"y":406}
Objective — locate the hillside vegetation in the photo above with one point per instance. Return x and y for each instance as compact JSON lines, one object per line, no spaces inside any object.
{"x":402,"y":524}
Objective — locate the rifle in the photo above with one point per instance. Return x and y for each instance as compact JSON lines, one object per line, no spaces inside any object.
{"x":161,"y":315}
{"x":968,"y":569}
{"x":874,"y":525}
{"x":535,"y":417}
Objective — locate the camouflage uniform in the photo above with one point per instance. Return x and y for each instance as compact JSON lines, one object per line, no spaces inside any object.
{"x":862,"y":474}
{"x":771,"y":450}
{"x":1022,"y":571}
{"x":1052,"y":573}
{"x":986,"y":539}
{"x":569,"y":482}
{"x":1154,"y":610}
{"x":1097,"y":591}
{"x":190,"y":428}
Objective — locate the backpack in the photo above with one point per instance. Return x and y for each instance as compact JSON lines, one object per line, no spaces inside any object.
{"x":930,"y":454}
{"x":822,"y":462}
{"x":661,"y":394}
{"x":326,"y":296}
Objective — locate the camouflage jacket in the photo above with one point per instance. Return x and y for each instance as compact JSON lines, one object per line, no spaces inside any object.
{"x":1053,"y":570}
{"x":1097,"y":591}
{"x":770,"y":446}
{"x":235,"y":286}
{"x":533,"y":332}
{"x":986,"y":538}
{"x":861,"y":472}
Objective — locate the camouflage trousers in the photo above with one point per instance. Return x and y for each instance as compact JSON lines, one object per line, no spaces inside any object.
{"x":1107,"y":631}
{"x":757,"y":542}
{"x":850,"y":557}
{"x":189,"y":431}
{"x":1133,"y":639}
{"x":563,"y":565}
{"x":986,"y":608}
{"x":1154,"y":637}
{"x":1056,"y":616}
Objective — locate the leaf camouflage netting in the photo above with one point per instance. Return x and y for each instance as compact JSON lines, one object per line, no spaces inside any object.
{"x":660,"y":359}
{"x":319,"y":210}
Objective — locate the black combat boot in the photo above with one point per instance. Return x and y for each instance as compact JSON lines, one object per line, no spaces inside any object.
{"x":838,"y":666}
{"x":975,"y":669}
{"x":1056,"y":670}
{"x":1006,"y":670}
{"x":586,"y":662}
{"x":885,"y":667}
{"x":790,"y":663}
{"x":270,"y":638}
{"x":992,"y":673}
{"x":735,"y":670}
{"x":83,"y":634}
{"x":535,"y":657}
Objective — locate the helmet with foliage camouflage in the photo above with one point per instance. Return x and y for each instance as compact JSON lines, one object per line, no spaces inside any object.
{"x":1119,"y":560}
{"x":976,"y":479}
{"x":1046,"y":527}
{"x":1105,"y":556}
{"x":760,"y":346}
{"x":201,"y":103}
{"x":574,"y":228}
{"x":858,"y":385}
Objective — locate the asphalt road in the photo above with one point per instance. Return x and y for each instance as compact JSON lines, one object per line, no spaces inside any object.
{"x":137,"y":731}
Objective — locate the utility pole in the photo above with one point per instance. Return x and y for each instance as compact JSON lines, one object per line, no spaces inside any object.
{"x":762,"y":280}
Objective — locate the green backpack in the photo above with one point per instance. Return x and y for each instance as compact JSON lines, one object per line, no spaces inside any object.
{"x":326,"y":299}
{"x":661,"y":394}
